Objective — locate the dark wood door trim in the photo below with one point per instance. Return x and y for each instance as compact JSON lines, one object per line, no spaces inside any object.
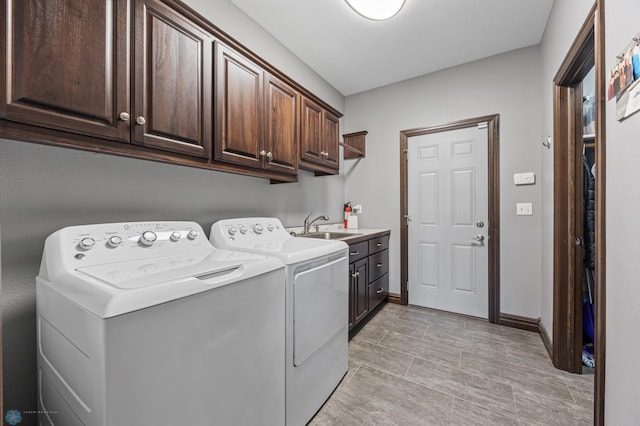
{"x":493,"y":123}
{"x":600,"y":272}
{"x":586,"y":51}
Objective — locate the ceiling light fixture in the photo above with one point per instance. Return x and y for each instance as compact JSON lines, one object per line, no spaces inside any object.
{"x":376,"y":10}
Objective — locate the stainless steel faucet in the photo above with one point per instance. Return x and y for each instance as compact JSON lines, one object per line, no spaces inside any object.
{"x":308,"y":224}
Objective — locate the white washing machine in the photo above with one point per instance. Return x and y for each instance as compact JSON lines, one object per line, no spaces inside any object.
{"x":149,"y":324}
{"x":317,"y":307}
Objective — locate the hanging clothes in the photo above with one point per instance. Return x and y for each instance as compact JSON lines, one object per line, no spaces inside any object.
{"x":589,"y":220}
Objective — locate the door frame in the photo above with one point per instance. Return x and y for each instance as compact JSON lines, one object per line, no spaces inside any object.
{"x":493,"y":125}
{"x":587,"y":50}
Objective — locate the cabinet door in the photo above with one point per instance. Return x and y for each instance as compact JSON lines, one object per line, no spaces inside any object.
{"x":352,"y":294}
{"x":65,"y":65}
{"x":239,"y":117}
{"x":311,"y":134}
{"x":362,"y":281}
{"x":330,"y":140}
{"x":173,"y":81}
{"x":281,"y":141}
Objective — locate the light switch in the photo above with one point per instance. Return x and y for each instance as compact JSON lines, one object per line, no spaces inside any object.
{"x":524,"y":209}
{"x":524,"y":178}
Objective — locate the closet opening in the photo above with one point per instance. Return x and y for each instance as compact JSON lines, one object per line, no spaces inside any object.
{"x":579,"y":217}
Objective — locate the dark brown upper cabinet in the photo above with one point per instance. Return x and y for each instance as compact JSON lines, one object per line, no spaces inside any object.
{"x":319,"y":150}
{"x":256,"y":115}
{"x":67,"y":65}
{"x":282,"y":126}
{"x":153,"y":79}
{"x":71,"y":72}
{"x":173,"y":90}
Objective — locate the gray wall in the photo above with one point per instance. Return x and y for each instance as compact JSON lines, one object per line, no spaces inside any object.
{"x":509,"y":85}
{"x":567,"y":17}
{"x":45,"y":188}
{"x":623,"y":229}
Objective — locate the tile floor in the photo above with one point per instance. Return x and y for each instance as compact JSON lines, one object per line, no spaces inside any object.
{"x":414,"y":366}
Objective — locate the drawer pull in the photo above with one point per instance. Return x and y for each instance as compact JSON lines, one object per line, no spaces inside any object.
{"x":379,"y":244}
{"x":353,"y":253}
{"x":379,"y":291}
{"x":379,"y":265}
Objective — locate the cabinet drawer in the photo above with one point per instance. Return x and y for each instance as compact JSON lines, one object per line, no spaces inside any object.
{"x":378,"y":265}
{"x":358,"y":251}
{"x":378,"y":291}
{"x":378,"y":244}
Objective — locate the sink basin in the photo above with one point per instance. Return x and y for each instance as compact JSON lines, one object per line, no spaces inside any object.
{"x":328,"y":235}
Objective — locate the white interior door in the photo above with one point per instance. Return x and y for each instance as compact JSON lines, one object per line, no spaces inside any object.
{"x":448,"y":221}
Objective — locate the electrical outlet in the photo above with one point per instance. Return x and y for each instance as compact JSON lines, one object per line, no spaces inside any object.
{"x":524,"y":209}
{"x":357,"y":209}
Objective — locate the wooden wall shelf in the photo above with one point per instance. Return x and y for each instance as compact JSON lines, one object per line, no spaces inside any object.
{"x":354,"y":145}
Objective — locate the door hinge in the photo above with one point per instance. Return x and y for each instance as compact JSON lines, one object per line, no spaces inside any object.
{"x":482,"y":126}
{"x":406,"y":153}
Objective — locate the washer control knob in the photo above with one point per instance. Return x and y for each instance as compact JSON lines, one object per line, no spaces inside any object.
{"x":233,"y":230}
{"x":270,"y":227}
{"x":243,"y":229}
{"x":192,"y":234}
{"x":87,"y":243}
{"x":114,"y":241}
{"x":148,"y":238}
{"x":257,"y":228}
{"x":175,"y":236}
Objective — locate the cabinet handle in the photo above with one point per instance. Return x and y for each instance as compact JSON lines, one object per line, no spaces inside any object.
{"x":357,"y":274}
{"x":353,"y":275}
{"x":379,"y":265}
{"x":124,"y":116}
{"x":378,"y":244}
{"x":140,"y":120}
{"x":269,"y":154}
{"x":379,"y":291}
{"x":353,"y":253}
{"x":263,"y":153}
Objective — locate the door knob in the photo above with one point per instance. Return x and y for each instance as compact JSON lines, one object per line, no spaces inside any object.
{"x":479,"y":238}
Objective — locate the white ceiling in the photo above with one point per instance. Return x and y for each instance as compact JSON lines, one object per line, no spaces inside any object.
{"x":355,"y":54}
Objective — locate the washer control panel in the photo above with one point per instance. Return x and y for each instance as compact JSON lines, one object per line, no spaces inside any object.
{"x":123,"y":241}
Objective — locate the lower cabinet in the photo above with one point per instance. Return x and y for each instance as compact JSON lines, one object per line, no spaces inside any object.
{"x":369,"y":277}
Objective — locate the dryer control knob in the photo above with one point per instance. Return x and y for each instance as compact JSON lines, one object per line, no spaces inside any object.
{"x":148,"y":238}
{"x":232,"y":231}
{"x":175,"y":236}
{"x":257,"y":228}
{"x":114,"y":241}
{"x":87,"y":243}
{"x":243,"y":229}
{"x":270,"y":227}
{"x":192,"y":234}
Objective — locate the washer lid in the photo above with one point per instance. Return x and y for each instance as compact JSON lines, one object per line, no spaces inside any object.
{"x":141,"y":273}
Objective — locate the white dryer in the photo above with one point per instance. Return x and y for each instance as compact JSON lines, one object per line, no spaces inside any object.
{"x":148,"y":324}
{"x":317,"y":307}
